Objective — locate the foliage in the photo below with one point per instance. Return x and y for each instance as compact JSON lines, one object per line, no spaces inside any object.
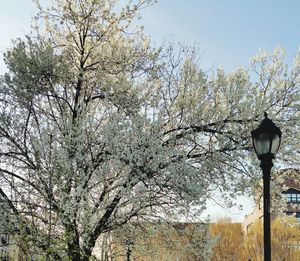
{"x":233,"y":244}
{"x":230,"y":241}
{"x":97,"y":127}
{"x":161,"y":241}
{"x":285,"y":234}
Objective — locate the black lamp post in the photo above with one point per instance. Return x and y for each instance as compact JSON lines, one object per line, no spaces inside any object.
{"x":266,"y":141}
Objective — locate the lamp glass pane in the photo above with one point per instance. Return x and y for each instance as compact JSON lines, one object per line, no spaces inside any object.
{"x":275,"y":144}
{"x":262,"y":144}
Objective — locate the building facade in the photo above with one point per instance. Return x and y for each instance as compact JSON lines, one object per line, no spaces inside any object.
{"x":290,"y":191}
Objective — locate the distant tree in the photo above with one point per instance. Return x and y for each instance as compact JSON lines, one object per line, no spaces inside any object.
{"x":229,"y":245}
{"x":97,"y":127}
{"x":161,"y":241}
{"x":254,"y":242}
{"x":286,"y":239}
{"x":285,"y":234}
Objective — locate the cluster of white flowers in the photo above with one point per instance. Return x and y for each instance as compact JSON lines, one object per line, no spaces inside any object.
{"x":98,"y":128}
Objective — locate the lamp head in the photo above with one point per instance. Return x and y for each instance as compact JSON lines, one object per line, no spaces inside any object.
{"x":266,"y":138}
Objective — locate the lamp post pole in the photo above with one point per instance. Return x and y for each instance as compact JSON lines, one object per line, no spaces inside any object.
{"x":266,"y":165}
{"x":266,"y":141}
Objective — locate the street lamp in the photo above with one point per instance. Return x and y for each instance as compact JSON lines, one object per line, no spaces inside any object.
{"x":266,"y":141}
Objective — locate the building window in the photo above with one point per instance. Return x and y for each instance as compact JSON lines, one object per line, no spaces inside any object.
{"x":292,"y":196}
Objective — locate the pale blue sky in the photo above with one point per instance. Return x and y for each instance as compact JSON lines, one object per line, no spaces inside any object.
{"x":228,"y":33}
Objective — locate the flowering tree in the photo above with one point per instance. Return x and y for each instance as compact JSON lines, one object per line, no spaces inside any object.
{"x":98,"y":128}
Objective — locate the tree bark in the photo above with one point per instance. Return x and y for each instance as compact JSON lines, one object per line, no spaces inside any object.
{"x":73,"y":242}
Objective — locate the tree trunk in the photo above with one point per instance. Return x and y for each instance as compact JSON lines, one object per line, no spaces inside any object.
{"x":87,"y":255}
{"x":74,"y":252}
{"x":73,"y":242}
